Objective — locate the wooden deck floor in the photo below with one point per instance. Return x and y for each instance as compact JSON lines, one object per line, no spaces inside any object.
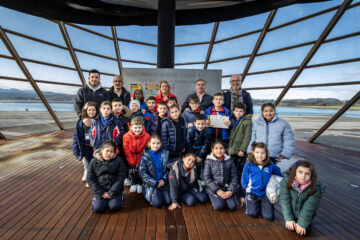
{"x":42,"y":197}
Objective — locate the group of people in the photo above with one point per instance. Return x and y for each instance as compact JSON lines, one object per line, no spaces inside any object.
{"x":174,"y":156}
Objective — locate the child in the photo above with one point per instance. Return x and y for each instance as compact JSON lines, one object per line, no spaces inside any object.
{"x":221,"y":178}
{"x":81,"y":146}
{"x":300,"y":195}
{"x":183,"y":181}
{"x":155,"y":121}
{"x":172,"y":101}
{"x":173,"y":133}
{"x":189,"y":116}
{"x":240,"y":135}
{"x":154,"y":174}
{"x":255,"y":177}
{"x":198,"y":141}
{"x":121,"y":112}
{"x":275,"y":132}
{"x":139,"y":95}
{"x":105,"y":177}
{"x":134,"y":143}
{"x":219,"y":134}
{"x":106,"y":127}
{"x":151,"y":109}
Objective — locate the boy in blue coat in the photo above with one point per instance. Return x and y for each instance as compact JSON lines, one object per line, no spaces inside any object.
{"x":151,"y":106}
{"x":155,"y":121}
{"x":219,"y":134}
{"x":189,"y":115}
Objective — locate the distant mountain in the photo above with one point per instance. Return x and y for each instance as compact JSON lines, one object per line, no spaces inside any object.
{"x":30,"y":95}
{"x":304,"y":102}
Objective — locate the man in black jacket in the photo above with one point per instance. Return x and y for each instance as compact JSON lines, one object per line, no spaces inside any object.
{"x":118,"y":91}
{"x":92,"y":92}
{"x":205,"y":99}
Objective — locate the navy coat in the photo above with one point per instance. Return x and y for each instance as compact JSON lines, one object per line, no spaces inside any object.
{"x":246,"y":100}
{"x":168,"y":134}
{"x":78,"y":148}
{"x":198,"y":142}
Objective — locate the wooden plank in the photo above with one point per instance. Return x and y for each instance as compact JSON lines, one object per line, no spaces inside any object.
{"x":110,"y":226}
{"x":150,"y":224}
{"x":142,"y":219}
{"x":132,"y":218}
{"x":180,"y":225}
{"x":100,"y":226}
{"x":90,"y":226}
{"x":121,"y":223}
{"x":190,"y":223}
{"x":209,"y":223}
{"x":160,"y":224}
{"x":199,"y":223}
{"x":221,"y":228}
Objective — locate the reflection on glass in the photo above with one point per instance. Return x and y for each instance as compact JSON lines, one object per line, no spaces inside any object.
{"x":235,"y":47}
{"x":230,"y":67}
{"x":9,"y":68}
{"x":138,"y":33}
{"x":348,"y":23}
{"x":193,"y":33}
{"x":191,"y":53}
{"x":268,"y":79}
{"x":91,"y":62}
{"x":137,"y":52}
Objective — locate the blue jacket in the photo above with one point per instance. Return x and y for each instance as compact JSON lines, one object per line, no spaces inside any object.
{"x":198,"y":142}
{"x":189,"y":117}
{"x":147,"y":172}
{"x":277,"y":135}
{"x":112,"y":131}
{"x":246,"y":100}
{"x":168,"y":134}
{"x":254,"y":180}
{"x":78,"y":147}
{"x":225,"y":112}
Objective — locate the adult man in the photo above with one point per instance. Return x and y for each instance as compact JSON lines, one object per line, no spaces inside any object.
{"x":92,"y":92}
{"x":205,"y":99}
{"x":236,"y":94}
{"x":118,"y":91}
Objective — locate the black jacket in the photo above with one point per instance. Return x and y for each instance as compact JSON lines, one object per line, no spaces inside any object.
{"x":220,"y":174}
{"x":106,"y":176}
{"x":179,"y":183}
{"x":198,"y":142}
{"x":246,"y":100}
{"x":206,"y":102}
{"x":86,"y":94}
{"x":124,"y":96}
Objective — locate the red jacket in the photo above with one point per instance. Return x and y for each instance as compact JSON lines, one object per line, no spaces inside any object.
{"x":159,"y":98}
{"x":134,"y":145}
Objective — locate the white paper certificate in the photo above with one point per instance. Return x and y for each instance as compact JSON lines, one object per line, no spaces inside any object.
{"x":218,"y":121}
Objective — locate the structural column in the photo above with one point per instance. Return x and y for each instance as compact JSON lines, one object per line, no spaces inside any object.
{"x":166,"y":33}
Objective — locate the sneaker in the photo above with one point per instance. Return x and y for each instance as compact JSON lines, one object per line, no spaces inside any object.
{"x":84,"y":175}
{"x":127,"y":182}
{"x":87,"y":185}
{"x":133,"y":188}
{"x":139,"y":188}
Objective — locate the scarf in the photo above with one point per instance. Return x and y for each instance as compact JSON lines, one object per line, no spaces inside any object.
{"x":300,"y":186}
{"x":221,"y":158}
{"x":237,"y":121}
{"x":236,"y":97}
{"x":104,"y":122}
{"x":156,"y":157}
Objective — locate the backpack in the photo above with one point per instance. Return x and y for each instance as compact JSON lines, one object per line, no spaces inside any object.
{"x":273,"y":188}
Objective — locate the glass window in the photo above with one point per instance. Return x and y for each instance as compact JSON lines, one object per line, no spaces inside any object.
{"x":348,"y":23}
{"x":9,"y":68}
{"x":283,"y":59}
{"x":191,"y":66}
{"x":301,"y":32}
{"x":106,"y":30}
{"x":21,"y":111}
{"x":290,"y":13}
{"x":339,"y":50}
{"x":138,"y":33}
{"x":230,"y":67}
{"x":91,"y":42}
{"x":235,"y":47}
{"x":348,"y":72}
{"x":191,"y":53}
{"x":242,"y":25}
{"x":193,"y":33}
{"x":106,"y":80}
{"x":136,"y":65}
{"x":3,"y":49}
{"x":38,"y":51}
{"x":31,"y":25}
{"x":268,"y":79}
{"x":89,"y":62}
{"x":262,"y":96}
{"x":53,"y":74}
{"x":137,"y":52}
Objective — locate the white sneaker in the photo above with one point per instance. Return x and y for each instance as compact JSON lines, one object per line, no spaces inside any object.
{"x":87,"y":185}
{"x":84,"y":175}
{"x":127,"y":182}
{"x":133,"y":188}
{"x":139,"y":188}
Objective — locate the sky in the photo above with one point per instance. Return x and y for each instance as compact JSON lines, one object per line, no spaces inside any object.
{"x":308,"y":30}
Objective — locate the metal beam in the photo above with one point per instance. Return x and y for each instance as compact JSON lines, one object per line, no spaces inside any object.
{"x":211,"y":45}
{"x":117,"y":49}
{"x":71,"y":51}
{"x":352,"y":101}
{"x":316,"y":46}
{"x":26,"y":72}
{"x":258,"y":43}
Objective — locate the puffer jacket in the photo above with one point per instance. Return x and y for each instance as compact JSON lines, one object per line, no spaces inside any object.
{"x":254,"y":180}
{"x":78,"y":146}
{"x":106,"y":176}
{"x":240,"y":135}
{"x":134,"y":146}
{"x":300,"y":206}
{"x":220,"y":174}
{"x":147,"y":172}
{"x":198,"y":142}
{"x":277,"y":135}
{"x":168,"y":134}
{"x":224,"y":112}
{"x":112,"y":131}
{"x":179,"y":183}
{"x":189,"y":116}
{"x":153,"y":124}
{"x":125,"y":119}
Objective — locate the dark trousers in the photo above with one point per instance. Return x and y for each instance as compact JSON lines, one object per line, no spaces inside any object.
{"x":135,"y":177}
{"x":273,"y":160}
{"x":219,"y":204}
{"x":100,"y":205}
{"x":255,"y":204}
{"x":190,"y":197}
{"x":88,"y":155}
{"x":160,"y":197}
{"x":239,"y":163}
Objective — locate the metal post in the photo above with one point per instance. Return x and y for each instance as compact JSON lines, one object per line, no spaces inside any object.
{"x":116,"y":46}
{"x":166,"y":33}
{"x":26,"y":72}
{"x":211,"y":45}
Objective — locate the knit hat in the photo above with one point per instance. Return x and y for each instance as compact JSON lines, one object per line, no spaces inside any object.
{"x":135,"y":101}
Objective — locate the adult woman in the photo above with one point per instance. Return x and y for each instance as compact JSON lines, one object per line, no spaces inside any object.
{"x":164,"y":92}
